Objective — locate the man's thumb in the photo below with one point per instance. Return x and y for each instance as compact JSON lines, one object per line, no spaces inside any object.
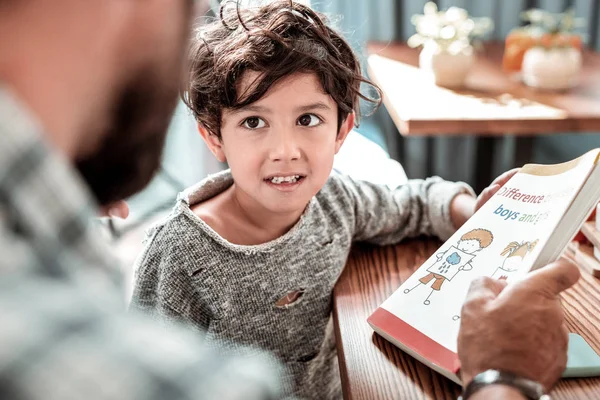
{"x":553,"y":278}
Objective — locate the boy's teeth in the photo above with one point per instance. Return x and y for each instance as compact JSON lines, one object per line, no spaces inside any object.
{"x":288,"y":179}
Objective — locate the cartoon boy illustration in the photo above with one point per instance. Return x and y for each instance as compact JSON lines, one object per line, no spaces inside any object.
{"x":516,"y":252}
{"x":456,"y":258}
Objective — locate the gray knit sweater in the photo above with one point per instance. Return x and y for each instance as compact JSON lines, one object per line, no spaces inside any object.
{"x":188,"y":272}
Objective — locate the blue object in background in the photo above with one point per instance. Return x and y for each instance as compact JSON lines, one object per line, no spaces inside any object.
{"x":583,"y":361}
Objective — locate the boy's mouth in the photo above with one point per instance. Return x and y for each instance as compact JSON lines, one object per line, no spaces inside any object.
{"x":285,"y":180}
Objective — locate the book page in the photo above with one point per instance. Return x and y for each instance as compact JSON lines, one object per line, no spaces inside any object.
{"x":502,"y":240}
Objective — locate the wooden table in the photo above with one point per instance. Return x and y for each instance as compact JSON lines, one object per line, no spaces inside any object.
{"x":490,"y":105}
{"x":373,"y":368}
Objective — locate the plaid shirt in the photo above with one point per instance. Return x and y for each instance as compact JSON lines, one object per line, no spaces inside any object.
{"x":64,"y":333}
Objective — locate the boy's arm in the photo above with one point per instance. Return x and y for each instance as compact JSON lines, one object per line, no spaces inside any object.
{"x":432,"y":207}
{"x":462,"y":208}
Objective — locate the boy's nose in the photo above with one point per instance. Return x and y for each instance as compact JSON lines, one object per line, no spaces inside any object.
{"x":284,"y":148}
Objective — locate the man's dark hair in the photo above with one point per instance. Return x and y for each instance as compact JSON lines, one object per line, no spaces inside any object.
{"x":275,"y":40}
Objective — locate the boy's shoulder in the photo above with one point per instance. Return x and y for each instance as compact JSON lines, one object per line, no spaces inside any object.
{"x":182,"y":225}
{"x":169,"y":227}
{"x":176,"y":235}
{"x":337,"y":197}
{"x":338,"y":188}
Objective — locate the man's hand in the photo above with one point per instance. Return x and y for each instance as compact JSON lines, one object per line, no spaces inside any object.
{"x":517,"y":328}
{"x":119,"y":209}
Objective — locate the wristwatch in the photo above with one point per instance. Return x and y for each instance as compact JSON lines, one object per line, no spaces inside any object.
{"x":530,"y":389}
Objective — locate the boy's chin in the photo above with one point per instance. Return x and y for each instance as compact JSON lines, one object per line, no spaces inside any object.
{"x":287,"y":207}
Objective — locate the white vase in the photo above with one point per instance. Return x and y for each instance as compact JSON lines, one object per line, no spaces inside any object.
{"x":556,"y":68}
{"x":448,"y":68}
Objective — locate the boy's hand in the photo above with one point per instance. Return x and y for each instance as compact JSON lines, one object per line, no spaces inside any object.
{"x":488,"y":192}
{"x":464,"y":206}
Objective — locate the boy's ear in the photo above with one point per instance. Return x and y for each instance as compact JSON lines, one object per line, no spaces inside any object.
{"x":213,"y":142}
{"x":345,"y":128}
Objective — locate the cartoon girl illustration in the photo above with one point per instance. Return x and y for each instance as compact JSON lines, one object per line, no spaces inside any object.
{"x":516,"y":252}
{"x":455,"y":259}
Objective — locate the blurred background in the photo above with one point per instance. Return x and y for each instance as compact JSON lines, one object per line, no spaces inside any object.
{"x":390,"y":20}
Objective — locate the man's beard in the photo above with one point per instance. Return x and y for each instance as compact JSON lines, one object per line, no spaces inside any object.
{"x":131,"y":150}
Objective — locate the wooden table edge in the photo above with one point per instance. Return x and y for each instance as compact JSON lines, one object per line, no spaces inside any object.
{"x":480,"y":127}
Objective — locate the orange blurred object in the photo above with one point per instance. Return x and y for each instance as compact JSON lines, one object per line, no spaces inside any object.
{"x":520,"y":40}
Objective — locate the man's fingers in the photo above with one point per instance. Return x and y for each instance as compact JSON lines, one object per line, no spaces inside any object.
{"x":565,"y":335}
{"x":484,"y":289}
{"x":502,"y":283}
{"x":118,"y":209}
{"x":552,"y":279}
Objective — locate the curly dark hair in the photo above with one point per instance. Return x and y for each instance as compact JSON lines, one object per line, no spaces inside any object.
{"x":275,"y":40}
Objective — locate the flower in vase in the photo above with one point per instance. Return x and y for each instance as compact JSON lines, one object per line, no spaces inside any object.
{"x":452,"y":30}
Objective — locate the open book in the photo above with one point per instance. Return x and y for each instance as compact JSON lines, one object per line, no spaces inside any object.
{"x":524,"y":226}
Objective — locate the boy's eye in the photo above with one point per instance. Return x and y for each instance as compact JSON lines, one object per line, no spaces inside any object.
{"x":309,"y":120}
{"x":253,"y":123}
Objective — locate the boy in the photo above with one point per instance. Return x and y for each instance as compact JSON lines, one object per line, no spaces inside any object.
{"x":251,"y":255}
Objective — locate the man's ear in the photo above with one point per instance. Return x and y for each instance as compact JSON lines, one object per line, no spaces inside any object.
{"x":345,"y":128}
{"x":213,"y":142}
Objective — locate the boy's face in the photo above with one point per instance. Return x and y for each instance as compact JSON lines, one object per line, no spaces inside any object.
{"x":280,"y":148}
{"x":469,"y":246}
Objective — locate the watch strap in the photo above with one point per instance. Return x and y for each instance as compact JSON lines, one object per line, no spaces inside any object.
{"x":529,"y":388}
